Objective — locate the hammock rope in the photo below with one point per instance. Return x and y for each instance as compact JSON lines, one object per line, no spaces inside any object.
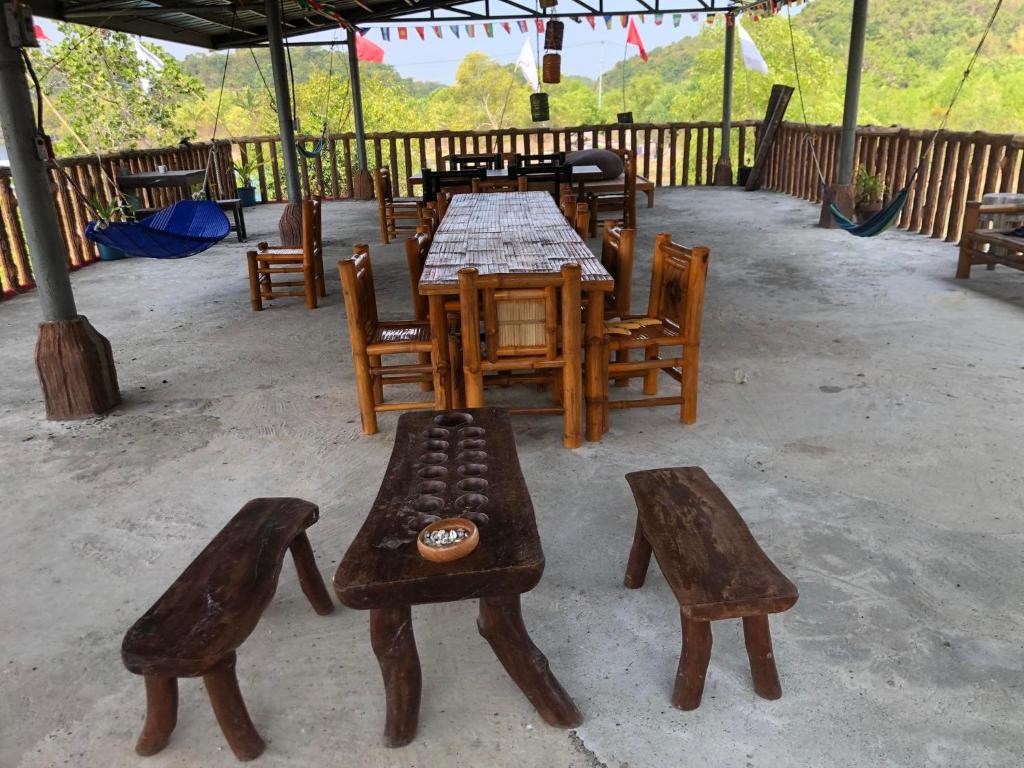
{"x":890,"y":213}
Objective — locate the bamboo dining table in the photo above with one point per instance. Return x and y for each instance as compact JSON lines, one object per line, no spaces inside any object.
{"x":514,"y":233}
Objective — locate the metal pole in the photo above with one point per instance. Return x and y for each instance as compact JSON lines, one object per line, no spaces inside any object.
{"x":855,"y":64}
{"x":46,"y":248}
{"x":723,"y":170}
{"x":357,"y":100}
{"x":275,"y":42}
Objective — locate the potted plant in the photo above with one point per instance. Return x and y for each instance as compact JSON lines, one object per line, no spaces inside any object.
{"x":868,"y":191}
{"x":108,"y":211}
{"x":245,"y":171}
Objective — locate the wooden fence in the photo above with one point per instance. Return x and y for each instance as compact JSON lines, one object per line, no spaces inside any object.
{"x":83,"y":174}
{"x":962,"y":167}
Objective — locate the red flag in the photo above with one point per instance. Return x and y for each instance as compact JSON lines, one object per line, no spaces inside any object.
{"x":421,"y":33}
{"x":592,"y":22}
{"x":403,"y":33}
{"x":507,"y":26}
{"x":367,"y":50}
{"x":633,"y":38}
{"x":540,"y":25}
{"x":41,"y":35}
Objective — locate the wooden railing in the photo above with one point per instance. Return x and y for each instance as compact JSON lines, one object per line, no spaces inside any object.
{"x":82,"y":176}
{"x":961,"y":167}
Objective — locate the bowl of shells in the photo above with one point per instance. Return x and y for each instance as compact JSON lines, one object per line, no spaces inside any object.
{"x":447,"y":539}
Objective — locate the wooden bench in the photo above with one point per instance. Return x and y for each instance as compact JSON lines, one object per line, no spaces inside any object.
{"x":618,"y":185}
{"x":209,"y":611}
{"x":714,"y":567}
{"x":979,"y":245}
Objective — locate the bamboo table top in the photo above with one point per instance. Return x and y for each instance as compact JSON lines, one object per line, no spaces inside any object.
{"x":445,"y":464}
{"x":507,"y":233}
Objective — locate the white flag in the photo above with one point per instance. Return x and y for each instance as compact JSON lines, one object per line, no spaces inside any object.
{"x":527,"y":64}
{"x":145,"y":56}
{"x":752,"y":58}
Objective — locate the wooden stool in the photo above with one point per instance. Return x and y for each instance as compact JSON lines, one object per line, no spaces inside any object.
{"x":715,"y":569}
{"x":196,"y":626}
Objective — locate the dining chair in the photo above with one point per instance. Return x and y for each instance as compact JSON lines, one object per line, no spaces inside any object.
{"x":450,"y":182}
{"x":398,"y":215}
{"x":619,"y":205}
{"x":673,"y":319}
{"x":491,"y":161}
{"x":550,"y":177}
{"x":617,"y":247}
{"x":372,"y":339}
{"x":576,"y":213}
{"x":270,"y":261}
{"x":526,"y":160}
{"x":517,"y":184}
{"x":532,"y":332}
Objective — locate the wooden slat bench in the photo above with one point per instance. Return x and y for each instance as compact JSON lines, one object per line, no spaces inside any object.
{"x":714,"y":567}
{"x":209,"y":611}
{"x":618,"y":185}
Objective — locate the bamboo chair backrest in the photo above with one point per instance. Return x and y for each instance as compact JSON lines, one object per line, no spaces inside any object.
{"x":530,"y":317}
{"x":629,"y":185}
{"x":449,"y":181}
{"x":576,"y":213}
{"x":492,"y":161}
{"x":382,"y":181}
{"x":312,"y":231}
{"x":416,"y":250}
{"x":499,"y":185}
{"x":617,"y":250}
{"x":678,"y":275}
{"x":360,"y":298}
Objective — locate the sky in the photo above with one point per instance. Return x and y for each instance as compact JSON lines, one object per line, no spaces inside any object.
{"x":586,"y":51}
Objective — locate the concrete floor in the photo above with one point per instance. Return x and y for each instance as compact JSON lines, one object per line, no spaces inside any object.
{"x":862,"y":409}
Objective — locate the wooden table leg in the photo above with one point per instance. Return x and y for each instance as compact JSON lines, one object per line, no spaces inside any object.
{"x":394,"y":644}
{"x":597,"y":383}
{"x":693,"y":664}
{"x":639,"y":559}
{"x":501,"y":623}
{"x":758,"y":639}
{"x":441,"y":359}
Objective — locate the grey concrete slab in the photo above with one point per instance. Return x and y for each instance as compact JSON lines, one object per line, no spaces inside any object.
{"x":863,"y":410}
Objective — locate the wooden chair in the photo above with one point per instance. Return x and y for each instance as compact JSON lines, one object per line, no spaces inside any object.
{"x":531,"y":324}
{"x":197,"y":625}
{"x":398,"y":215}
{"x":491,"y":161}
{"x":307,"y":260}
{"x":517,"y":184}
{"x":450,"y":182}
{"x":616,"y":204}
{"x":549,"y":177}
{"x":715,"y":568}
{"x":617,"y":248}
{"x":372,"y":339}
{"x":576,"y":213}
{"x":540,"y":159}
{"x":981,"y":244}
{"x":673,"y":319}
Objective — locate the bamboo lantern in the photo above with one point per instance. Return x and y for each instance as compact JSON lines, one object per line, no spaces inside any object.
{"x":539,"y":111}
{"x":552,"y":68}
{"x":625,"y":117}
{"x":548,"y":4}
{"x":553,"y":35}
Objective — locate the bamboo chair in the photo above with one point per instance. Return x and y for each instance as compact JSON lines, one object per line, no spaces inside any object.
{"x":372,"y":339}
{"x":485,"y":186}
{"x":449,"y":182}
{"x":306,"y":260}
{"x":617,"y":250}
{"x":673,"y":319}
{"x":577,"y":214}
{"x":532,"y":325}
{"x":398,"y":215}
{"x":618,"y":205}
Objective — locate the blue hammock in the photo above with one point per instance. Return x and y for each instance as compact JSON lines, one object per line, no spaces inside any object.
{"x":878,"y":223}
{"x":186,"y":228}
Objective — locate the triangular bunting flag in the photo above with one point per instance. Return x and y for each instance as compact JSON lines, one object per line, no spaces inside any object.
{"x":489,"y":30}
{"x":592,"y":22}
{"x":711,"y":18}
{"x":540,"y":25}
{"x":694,"y":17}
{"x":421,"y":32}
{"x":455,"y":29}
{"x":624,"y":21}
{"x":403,"y":33}
{"x":676,"y":18}
{"x":471,"y":30}
{"x":385,"y":33}
{"x":643,"y":19}
{"x":658,"y":18}
{"x":438,"y":32}
{"x":522,"y":25}
{"x":608,"y":21}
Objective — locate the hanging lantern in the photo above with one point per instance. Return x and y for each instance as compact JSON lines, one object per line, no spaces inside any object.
{"x":553,"y":35}
{"x":539,"y":111}
{"x":552,"y":68}
{"x":548,"y":3}
{"x":625,"y":117}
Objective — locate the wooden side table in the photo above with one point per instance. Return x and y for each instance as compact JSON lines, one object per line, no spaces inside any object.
{"x":450,"y":464}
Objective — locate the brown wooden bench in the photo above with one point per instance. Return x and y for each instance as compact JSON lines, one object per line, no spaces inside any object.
{"x":618,"y":185}
{"x":714,"y":567}
{"x":209,"y":611}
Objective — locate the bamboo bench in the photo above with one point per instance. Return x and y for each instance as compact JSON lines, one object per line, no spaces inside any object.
{"x":196,"y":626}
{"x":714,"y":567}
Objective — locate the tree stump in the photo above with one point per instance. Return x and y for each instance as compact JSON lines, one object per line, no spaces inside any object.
{"x":289,"y":228}
{"x":842,"y":196}
{"x":76,"y":370}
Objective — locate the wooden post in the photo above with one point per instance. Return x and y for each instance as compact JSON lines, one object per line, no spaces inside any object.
{"x":723,"y":170}
{"x":73,"y":360}
{"x":363,"y":184}
{"x":290,"y":226}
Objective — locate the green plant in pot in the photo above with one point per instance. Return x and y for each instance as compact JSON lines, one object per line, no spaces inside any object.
{"x":245,"y":171}
{"x":869,"y":191}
